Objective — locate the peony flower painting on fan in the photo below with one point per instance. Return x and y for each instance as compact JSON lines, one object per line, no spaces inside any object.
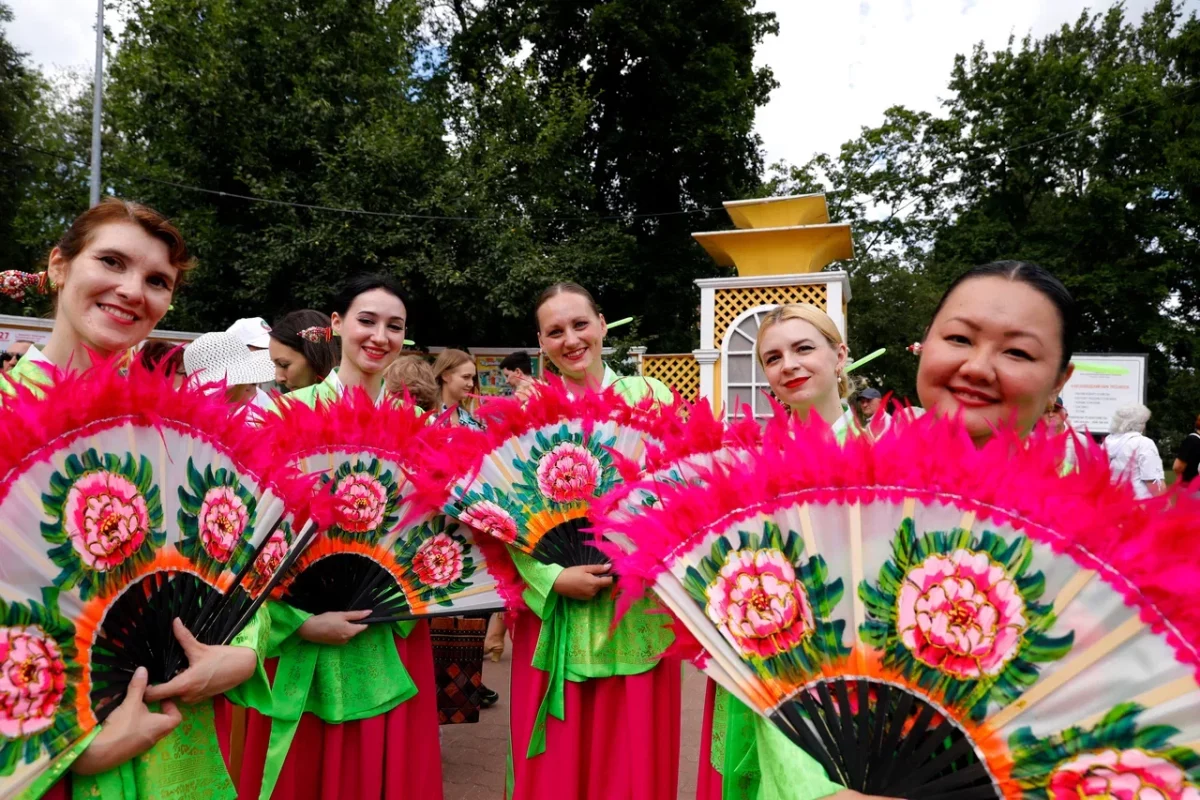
{"x":37,"y":694}
{"x":366,"y":499}
{"x":217,"y":518}
{"x":962,"y":613}
{"x":771,"y":602}
{"x":442,"y":560}
{"x":568,"y":473}
{"x":488,"y":517}
{"x":1117,"y":759}
{"x":106,"y":519}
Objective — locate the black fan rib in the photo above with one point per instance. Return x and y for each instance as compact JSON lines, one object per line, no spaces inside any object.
{"x":880,"y":739}
{"x":568,"y":544}
{"x":347,"y":582}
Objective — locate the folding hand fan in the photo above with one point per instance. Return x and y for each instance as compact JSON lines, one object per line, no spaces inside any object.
{"x":549,"y":460}
{"x":931,"y":620}
{"x":384,"y":548}
{"x":124,"y":503}
{"x":693,"y":441}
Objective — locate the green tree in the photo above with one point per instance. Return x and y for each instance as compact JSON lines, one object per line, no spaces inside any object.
{"x":20,"y":101}
{"x":1079,"y":151}
{"x":669,"y":89}
{"x":320,"y":102}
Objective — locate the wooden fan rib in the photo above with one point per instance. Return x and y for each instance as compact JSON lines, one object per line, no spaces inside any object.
{"x":806,"y":530}
{"x":857,"y":577}
{"x":1042,"y":689}
{"x":1071,"y":590}
{"x":1157,"y":696}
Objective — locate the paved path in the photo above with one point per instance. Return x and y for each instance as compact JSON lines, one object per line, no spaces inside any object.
{"x":473,"y":756}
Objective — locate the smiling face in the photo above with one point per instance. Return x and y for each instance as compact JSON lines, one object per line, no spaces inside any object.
{"x":571,"y":335}
{"x":291,"y":367}
{"x":115,"y":291}
{"x":372,"y":331}
{"x":801,"y":364}
{"x":457,"y":383}
{"x":993,"y":353}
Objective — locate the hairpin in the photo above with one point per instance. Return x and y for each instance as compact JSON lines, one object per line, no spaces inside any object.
{"x":316,"y":335}
{"x":15,"y":283}
{"x":915,"y":348}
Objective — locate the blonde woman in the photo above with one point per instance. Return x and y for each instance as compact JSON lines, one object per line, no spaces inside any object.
{"x":803,"y":357}
{"x":457,"y":386}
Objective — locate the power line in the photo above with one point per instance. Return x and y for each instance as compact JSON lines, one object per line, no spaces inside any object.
{"x":582,"y":218}
{"x":383,"y":214}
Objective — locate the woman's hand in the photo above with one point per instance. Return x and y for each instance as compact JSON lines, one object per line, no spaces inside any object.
{"x":212,"y":669}
{"x":526,"y":389}
{"x":333,"y":627}
{"x":583,"y":583}
{"x":130,"y":730}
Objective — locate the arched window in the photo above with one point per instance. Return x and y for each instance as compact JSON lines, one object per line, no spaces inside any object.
{"x":745,"y":383}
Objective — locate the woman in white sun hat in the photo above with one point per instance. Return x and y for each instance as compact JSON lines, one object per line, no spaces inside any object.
{"x":223,"y":358}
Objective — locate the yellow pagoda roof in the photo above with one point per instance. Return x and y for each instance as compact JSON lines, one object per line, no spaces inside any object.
{"x":779,"y":250}
{"x":778,"y":212}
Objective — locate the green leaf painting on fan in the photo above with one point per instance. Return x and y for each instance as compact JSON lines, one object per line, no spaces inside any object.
{"x":217,"y":518}
{"x":367,"y":500}
{"x":106,"y":520}
{"x":959,"y":616}
{"x":38,"y":676}
{"x":1117,"y":757}
{"x":771,"y":602}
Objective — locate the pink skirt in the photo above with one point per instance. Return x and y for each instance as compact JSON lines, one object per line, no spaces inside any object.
{"x":620,"y":738}
{"x":708,"y":780}
{"x":394,"y":756}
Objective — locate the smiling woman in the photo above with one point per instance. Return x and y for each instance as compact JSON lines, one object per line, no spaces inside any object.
{"x":998,"y":349}
{"x":113,"y":273}
{"x":369,"y":318}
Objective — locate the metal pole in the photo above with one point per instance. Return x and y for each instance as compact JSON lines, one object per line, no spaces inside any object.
{"x":96,"y":100}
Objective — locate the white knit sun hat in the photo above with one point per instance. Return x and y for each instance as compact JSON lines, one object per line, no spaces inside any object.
{"x":215,"y":357}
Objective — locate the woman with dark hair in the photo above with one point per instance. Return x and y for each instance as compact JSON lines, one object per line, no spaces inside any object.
{"x":998,"y":348}
{"x":166,"y":357}
{"x":368,"y":318}
{"x":354,"y":712}
{"x":997,"y":352}
{"x":301,"y":362}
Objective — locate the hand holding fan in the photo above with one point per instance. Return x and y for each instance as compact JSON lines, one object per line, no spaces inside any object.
{"x":930,"y":620}
{"x":124,"y":504}
{"x":549,"y":459}
{"x":384,"y":550}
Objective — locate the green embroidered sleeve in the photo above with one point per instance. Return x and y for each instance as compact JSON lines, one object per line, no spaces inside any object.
{"x":186,"y":765}
{"x":740,"y":769}
{"x":255,"y":692}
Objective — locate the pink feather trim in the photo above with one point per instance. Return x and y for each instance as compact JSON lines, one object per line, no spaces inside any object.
{"x":33,"y":424}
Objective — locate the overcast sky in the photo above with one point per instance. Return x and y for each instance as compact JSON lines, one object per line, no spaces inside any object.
{"x":839,"y":63}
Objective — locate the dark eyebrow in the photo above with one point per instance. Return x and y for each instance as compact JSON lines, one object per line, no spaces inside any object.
{"x":1010,"y":334}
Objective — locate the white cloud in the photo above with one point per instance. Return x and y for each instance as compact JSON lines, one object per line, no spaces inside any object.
{"x":839,"y":63}
{"x":59,"y":35}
